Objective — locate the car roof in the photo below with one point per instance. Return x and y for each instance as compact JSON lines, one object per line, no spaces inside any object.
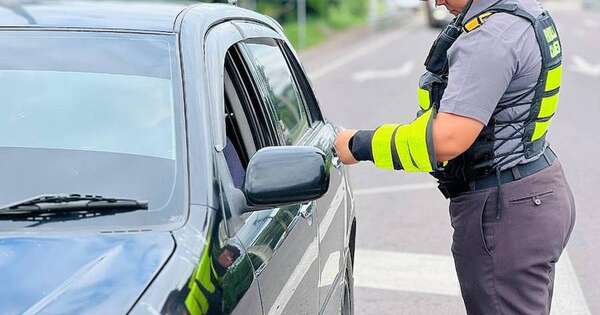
{"x":153,"y":16}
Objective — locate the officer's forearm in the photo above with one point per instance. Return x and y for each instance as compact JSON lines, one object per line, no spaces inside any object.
{"x":360,"y":145}
{"x":398,"y":147}
{"x":446,"y":147}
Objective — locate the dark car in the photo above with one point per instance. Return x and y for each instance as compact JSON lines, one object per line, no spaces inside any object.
{"x":165,"y":159}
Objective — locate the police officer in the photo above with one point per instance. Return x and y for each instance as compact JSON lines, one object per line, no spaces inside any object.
{"x":486,"y":103}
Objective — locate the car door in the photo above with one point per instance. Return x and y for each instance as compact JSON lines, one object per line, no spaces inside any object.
{"x":295,"y":114}
{"x":281,"y":242}
{"x":334,"y":210}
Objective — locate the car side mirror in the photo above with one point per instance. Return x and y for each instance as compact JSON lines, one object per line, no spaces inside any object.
{"x":279,"y":176}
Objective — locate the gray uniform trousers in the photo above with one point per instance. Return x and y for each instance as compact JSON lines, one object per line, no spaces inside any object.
{"x":507,"y":266}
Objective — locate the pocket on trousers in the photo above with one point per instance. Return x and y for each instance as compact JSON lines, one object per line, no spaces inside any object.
{"x":487,"y":226}
{"x":469,"y":237}
{"x":533,"y":199}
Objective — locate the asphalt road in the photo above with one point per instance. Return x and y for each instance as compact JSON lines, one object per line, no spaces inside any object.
{"x":403,"y":263}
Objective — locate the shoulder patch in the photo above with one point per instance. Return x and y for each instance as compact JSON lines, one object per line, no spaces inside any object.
{"x":476,"y":22}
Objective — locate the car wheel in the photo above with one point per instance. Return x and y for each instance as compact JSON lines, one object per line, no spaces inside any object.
{"x":348,"y":298}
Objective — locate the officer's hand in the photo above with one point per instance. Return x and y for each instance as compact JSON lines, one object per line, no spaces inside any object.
{"x":342,"y":147}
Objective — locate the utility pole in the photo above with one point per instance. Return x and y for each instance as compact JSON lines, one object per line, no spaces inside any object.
{"x":373,"y":14}
{"x":301,"y":4}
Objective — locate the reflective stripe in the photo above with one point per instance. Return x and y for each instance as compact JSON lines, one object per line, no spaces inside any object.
{"x":553,"y":79}
{"x":540,"y":129}
{"x":411,"y":142}
{"x":548,"y":107}
{"x":402,"y":147}
{"x":417,"y":142}
{"x":381,"y":146}
{"x":550,"y":33}
{"x":555,"y":49}
{"x":196,"y":302}
{"x":424,"y":100}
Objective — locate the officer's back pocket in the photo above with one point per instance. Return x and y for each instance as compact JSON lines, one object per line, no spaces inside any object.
{"x":533,"y":199}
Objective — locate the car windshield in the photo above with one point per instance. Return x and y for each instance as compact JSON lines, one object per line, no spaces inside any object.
{"x":91,"y":113}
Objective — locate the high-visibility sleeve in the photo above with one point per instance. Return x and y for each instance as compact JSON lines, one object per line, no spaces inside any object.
{"x":398,"y":147}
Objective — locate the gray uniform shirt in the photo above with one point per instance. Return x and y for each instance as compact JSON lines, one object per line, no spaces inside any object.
{"x":496,"y":63}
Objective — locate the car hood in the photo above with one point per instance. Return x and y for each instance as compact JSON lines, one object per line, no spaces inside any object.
{"x":79,"y":274}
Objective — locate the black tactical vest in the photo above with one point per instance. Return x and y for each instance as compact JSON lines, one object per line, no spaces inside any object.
{"x":481,"y":159}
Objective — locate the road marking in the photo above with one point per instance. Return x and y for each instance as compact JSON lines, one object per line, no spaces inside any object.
{"x":392,"y":189}
{"x":589,"y":23}
{"x":366,"y":75}
{"x":360,"y":52}
{"x":435,"y":274}
{"x":580,"y":65}
{"x":568,"y":296}
{"x":421,"y":273}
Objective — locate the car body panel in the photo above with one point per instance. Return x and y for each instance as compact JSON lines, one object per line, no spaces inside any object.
{"x":331,"y":216}
{"x":59,"y":274}
{"x":87,"y":14}
{"x":203,"y":234}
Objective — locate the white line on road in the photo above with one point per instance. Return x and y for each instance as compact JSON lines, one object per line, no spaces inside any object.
{"x":392,"y":189}
{"x":366,"y":75}
{"x":435,"y":274}
{"x":589,"y":23}
{"x":568,"y":296}
{"x":408,"y":272}
{"x":580,"y":65}
{"x":360,"y":52}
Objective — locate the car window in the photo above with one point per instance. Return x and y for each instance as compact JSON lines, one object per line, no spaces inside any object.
{"x":270,"y":67}
{"x":303,"y":84}
{"x":96,"y":113}
{"x":246,"y":133}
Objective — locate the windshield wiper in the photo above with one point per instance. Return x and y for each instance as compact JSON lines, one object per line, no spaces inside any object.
{"x":67,"y":203}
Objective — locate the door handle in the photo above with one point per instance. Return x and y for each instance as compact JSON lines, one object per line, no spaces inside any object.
{"x":306,"y":212}
{"x":337,"y":163}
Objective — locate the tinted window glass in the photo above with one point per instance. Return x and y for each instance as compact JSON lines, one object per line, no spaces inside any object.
{"x":92,"y":113}
{"x":87,"y":93}
{"x":272,"y":68}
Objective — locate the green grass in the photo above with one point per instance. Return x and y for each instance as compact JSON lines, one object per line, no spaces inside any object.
{"x":316,"y":32}
{"x":319,"y":29}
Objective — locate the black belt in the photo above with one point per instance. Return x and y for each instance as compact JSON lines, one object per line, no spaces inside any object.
{"x":512,"y":174}
{"x":516,"y":172}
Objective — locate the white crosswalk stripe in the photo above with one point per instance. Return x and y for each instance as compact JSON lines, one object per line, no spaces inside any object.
{"x":435,"y":274}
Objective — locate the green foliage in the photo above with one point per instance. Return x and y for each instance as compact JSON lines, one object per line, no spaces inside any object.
{"x":316,"y":32}
{"x":323,"y":16}
{"x":347,"y":13}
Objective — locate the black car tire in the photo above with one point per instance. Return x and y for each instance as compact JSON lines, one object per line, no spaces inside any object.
{"x":348,"y":298}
